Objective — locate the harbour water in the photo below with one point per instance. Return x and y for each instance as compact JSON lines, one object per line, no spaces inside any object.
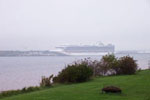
{"x":19,"y":72}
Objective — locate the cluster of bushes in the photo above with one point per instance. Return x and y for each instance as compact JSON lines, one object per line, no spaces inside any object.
{"x":111,"y":65}
{"x":82,"y":70}
{"x":119,"y":66}
{"x":15,"y":92}
{"x":78,"y":72}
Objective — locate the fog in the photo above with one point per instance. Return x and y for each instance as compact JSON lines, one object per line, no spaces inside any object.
{"x":44,"y":24}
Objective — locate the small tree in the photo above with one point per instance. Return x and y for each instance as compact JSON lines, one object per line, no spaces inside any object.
{"x":127,"y":66}
{"x":109,"y":64}
{"x":46,"y":81}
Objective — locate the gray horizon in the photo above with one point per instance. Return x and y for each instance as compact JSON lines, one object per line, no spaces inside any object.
{"x":44,"y":24}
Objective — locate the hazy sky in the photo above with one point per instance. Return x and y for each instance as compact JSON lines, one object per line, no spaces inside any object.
{"x":43,"y":24}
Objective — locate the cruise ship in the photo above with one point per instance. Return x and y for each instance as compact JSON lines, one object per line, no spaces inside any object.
{"x":88,"y":49}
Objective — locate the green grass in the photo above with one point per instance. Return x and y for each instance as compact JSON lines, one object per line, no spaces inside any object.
{"x":134,"y":87}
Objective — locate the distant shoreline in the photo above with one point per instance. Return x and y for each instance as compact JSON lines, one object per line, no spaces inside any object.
{"x":88,"y":54}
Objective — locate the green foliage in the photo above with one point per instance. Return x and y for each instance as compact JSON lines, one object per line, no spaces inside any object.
{"x":16,"y":92}
{"x":127,"y":66}
{"x":75,"y":73}
{"x":30,"y":89}
{"x":9,"y":93}
{"x":110,"y":65}
{"x":109,"y":59}
{"x":46,"y":81}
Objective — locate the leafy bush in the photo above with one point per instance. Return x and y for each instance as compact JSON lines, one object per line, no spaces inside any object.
{"x":9,"y":93}
{"x":55,"y":79}
{"x":19,"y":91}
{"x":46,"y":81}
{"x":94,"y":65}
{"x":127,"y":66}
{"x":103,"y":67}
{"x":29,"y":89}
{"x":99,"y":67}
{"x":110,"y":65}
{"x":74,"y":73}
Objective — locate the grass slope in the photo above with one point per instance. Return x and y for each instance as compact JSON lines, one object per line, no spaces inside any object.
{"x":135,"y":87}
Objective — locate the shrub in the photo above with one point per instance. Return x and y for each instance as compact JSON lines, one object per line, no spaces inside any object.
{"x":74,"y":73}
{"x":83,"y":69}
{"x":30,"y":89}
{"x":99,"y":67}
{"x":105,"y":66}
{"x":9,"y":93}
{"x":46,"y":81}
{"x":127,"y":66}
{"x":109,"y":63}
{"x":94,"y":65}
{"x":15,"y":92}
{"x":55,"y":79}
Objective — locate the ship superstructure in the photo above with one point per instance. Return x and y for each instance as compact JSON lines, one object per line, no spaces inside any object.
{"x":88,"y":48}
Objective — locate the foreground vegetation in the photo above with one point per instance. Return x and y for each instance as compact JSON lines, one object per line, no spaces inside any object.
{"x":83,"y":70}
{"x":134,"y":87}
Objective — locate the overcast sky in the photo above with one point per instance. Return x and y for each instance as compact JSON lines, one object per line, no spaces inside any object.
{"x":44,"y":24}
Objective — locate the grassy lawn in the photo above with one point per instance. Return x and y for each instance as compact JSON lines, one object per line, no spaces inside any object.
{"x":134,"y":87}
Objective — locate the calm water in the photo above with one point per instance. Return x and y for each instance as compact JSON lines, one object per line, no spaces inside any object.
{"x":19,"y":72}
